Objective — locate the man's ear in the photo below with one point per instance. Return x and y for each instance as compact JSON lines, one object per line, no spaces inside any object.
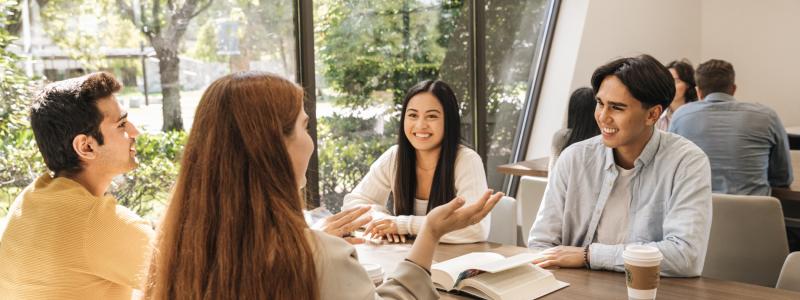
{"x":84,"y":146}
{"x":700,"y":94}
{"x":653,"y":114}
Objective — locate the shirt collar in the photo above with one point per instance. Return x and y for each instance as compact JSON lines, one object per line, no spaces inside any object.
{"x":718,"y":97}
{"x":647,"y":155}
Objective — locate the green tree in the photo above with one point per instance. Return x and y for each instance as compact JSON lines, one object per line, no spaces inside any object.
{"x":376,"y":46}
{"x":164,"y":23}
{"x":19,"y":158}
{"x":265,"y":31}
{"x":80,"y":28}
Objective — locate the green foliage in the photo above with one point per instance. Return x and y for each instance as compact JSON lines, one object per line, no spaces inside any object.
{"x":80,"y":28}
{"x":377,"y":46}
{"x":206,"y":47}
{"x":347,"y":147}
{"x":19,"y":157}
{"x":145,"y":190}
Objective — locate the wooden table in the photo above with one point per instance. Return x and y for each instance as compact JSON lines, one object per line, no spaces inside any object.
{"x":533,"y":167}
{"x":584,"y":284}
{"x":793,"y":130}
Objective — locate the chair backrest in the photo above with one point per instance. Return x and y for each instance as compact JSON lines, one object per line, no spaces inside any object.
{"x":790,"y":274}
{"x":504,"y":222}
{"x":529,"y":198}
{"x":748,"y":239}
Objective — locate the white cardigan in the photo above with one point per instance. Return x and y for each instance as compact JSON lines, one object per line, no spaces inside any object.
{"x":470,"y":183}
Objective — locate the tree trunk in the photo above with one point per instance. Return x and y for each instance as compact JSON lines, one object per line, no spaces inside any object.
{"x":169,"y":68}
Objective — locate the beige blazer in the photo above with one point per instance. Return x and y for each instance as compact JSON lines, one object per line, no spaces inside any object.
{"x":341,"y":276}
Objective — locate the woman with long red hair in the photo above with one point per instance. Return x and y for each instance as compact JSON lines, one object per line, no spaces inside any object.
{"x":234,"y":228}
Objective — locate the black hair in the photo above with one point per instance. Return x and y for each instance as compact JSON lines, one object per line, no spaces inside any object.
{"x":646,"y":79}
{"x":580,"y":116}
{"x":715,"y":76}
{"x":685,"y":73}
{"x":443,"y":183}
{"x":66,"y":109}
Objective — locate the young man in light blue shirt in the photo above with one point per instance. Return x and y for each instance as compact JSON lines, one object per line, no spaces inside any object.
{"x":630,"y":185}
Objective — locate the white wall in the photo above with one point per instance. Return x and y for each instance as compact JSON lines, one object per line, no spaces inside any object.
{"x":762,"y":41}
{"x":591,"y":33}
{"x":760,"y":38}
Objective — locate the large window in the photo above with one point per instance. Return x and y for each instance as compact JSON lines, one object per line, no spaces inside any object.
{"x":364,"y":55}
{"x":513,"y":32}
{"x":367,"y":54}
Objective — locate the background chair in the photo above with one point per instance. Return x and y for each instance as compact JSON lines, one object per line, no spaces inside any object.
{"x":504,"y":222}
{"x":790,"y":274}
{"x":748,"y":239}
{"x":529,"y":198}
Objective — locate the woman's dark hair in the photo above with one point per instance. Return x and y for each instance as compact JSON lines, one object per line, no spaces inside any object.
{"x":66,"y":109}
{"x":644,"y":76}
{"x":580,"y":116}
{"x":686,"y":74}
{"x":443,"y":184}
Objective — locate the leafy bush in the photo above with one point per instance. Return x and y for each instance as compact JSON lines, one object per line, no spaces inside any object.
{"x":145,"y":190}
{"x":348,"y":145}
{"x":19,"y":158}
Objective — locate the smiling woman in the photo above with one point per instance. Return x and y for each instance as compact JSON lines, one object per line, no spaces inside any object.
{"x":427,"y":168}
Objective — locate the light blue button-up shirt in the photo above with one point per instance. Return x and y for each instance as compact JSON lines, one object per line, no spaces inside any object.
{"x":746,"y":143}
{"x":670,"y":207}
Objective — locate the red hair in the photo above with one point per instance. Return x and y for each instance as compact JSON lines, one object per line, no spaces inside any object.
{"x":234,"y":228}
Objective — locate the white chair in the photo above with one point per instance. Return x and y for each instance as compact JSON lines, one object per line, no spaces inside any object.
{"x":747,"y":241}
{"x":504,"y":222}
{"x":790,"y":274}
{"x":529,"y":198}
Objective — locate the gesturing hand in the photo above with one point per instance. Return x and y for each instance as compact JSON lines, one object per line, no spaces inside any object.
{"x":454,"y":215}
{"x":345,"y":222}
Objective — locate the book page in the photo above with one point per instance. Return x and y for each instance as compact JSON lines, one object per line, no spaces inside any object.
{"x":524,"y":282}
{"x":444,"y":274}
{"x":508,"y":263}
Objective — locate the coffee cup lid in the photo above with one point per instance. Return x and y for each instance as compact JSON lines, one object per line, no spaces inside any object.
{"x":642,"y":253}
{"x":373,"y":270}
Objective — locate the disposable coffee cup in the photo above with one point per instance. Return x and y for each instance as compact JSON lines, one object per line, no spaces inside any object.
{"x":375,"y":272}
{"x":642,"y":268}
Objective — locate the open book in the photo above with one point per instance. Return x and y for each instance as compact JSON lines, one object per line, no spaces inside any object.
{"x":493,"y":276}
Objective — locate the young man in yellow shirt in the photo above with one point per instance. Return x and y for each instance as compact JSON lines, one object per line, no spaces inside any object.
{"x":64,"y":237}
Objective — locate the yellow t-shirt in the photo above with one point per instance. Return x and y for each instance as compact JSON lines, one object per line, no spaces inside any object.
{"x":61,"y":242}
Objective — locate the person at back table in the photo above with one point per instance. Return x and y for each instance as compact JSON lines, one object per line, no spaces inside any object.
{"x":428,"y":167}
{"x":65,"y":238}
{"x":234,"y":228}
{"x":631,"y":185}
{"x":683,"y":74}
{"x":746,"y":142}
{"x":580,"y":123}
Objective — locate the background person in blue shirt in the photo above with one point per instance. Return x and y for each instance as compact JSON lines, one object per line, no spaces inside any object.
{"x":746,"y":142}
{"x":630,"y":185}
